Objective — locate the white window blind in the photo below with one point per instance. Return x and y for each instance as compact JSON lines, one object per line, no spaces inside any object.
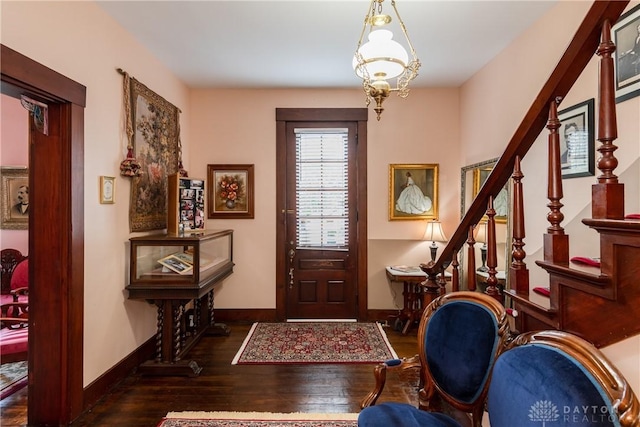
{"x":322,"y":188}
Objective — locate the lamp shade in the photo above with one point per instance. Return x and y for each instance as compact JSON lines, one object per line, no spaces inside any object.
{"x":481,"y":232}
{"x":434,"y":232}
{"x":384,"y":58}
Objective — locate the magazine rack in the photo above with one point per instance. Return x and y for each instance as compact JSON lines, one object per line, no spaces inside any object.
{"x":178,"y":274}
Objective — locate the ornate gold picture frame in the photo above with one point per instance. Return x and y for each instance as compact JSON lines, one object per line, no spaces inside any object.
{"x":413,"y":191}
{"x":15,"y":198}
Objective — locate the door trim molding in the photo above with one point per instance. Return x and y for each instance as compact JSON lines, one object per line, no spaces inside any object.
{"x":359,"y":115}
{"x":56,"y":174}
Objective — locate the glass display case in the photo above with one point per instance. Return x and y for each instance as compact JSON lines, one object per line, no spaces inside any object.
{"x":189,"y":261}
{"x":178,"y":274}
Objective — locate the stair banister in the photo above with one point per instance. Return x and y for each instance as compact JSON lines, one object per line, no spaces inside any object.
{"x":574,"y":60}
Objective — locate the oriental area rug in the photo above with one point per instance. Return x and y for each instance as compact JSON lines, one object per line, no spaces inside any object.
{"x":256,"y":419}
{"x":13,"y":376}
{"x":314,"y":342}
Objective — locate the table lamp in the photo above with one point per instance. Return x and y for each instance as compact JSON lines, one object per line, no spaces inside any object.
{"x":481,"y":236}
{"x":434,"y":233}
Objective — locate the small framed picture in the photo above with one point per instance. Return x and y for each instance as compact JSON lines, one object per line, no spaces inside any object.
{"x":577,"y":140}
{"x":15,"y":198}
{"x":626,"y":36}
{"x":107,"y":189}
{"x":413,"y":192}
{"x":230,"y":191}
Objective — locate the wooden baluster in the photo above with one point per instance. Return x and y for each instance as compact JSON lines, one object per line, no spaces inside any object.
{"x":518,"y":272}
{"x":608,"y":194}
{"x":556,"y":242}
{"x":492,"y":256}
{"x":471,"y":262}
{"x":455,"y":274}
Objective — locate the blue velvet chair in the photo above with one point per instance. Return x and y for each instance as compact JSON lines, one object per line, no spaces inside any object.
{"x":460,"y":336}
{"x":558,"y":379}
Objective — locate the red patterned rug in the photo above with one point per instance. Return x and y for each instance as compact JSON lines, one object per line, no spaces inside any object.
{"x":314,"y":342}
{"x":256,"y":419}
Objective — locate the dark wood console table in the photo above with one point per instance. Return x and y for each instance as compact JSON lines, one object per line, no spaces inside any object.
{"x":184,"y":301}
{"x":412,"y":294}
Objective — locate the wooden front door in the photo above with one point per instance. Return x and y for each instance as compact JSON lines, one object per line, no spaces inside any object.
{"x":320,"y":249}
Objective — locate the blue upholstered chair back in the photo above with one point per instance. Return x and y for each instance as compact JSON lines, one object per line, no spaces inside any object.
{"x":461,"y":341}
{"x":556,"y":379}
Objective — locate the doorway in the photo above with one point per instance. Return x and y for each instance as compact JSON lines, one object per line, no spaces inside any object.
{"x":321,"y":201}
{"x":56,"y":239}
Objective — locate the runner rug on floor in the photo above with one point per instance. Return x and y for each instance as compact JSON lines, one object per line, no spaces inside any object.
{"x":13,"y":376}
{"x":256,"y":419}
{"x":314,"y":342}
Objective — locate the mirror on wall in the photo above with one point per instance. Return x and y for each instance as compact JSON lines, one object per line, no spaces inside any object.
{"x":472,"y":177}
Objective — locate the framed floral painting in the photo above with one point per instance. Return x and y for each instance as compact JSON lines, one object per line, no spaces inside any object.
{"x":230,"y":191}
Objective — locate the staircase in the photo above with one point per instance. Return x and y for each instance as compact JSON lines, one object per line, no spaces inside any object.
{"x":599,"y":302}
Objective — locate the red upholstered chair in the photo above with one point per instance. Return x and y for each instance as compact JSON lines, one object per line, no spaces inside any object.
{"x":14,"y":331}
{"x":20,"y":282}
{"x":14,"y":312}
{"x":9,"y":259}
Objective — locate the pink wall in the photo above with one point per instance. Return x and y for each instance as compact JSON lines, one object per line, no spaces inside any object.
{"x":14,"y":151}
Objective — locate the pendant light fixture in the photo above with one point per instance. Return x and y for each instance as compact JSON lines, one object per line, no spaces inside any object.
{"x":381,"y":58}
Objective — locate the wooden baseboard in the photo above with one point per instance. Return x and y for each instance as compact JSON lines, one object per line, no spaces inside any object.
{"x":105,"y":382}
{"x":248,"y":315}
{"x":269,"y":315}
{"x":381,"y":315}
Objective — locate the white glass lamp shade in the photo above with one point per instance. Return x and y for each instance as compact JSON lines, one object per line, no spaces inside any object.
{"x":384,"y":58}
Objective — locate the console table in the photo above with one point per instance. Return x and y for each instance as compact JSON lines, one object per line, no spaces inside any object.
{"x":177,"y":273}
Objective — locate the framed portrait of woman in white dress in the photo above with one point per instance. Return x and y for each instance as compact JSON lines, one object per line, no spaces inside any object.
{"x":413,"y":191}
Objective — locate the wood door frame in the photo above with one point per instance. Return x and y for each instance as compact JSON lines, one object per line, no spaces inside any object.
{"x":284,"y":115}
{"x":56,"y":240}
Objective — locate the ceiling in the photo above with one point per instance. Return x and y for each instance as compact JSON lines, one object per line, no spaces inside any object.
{"x":310,"y":44}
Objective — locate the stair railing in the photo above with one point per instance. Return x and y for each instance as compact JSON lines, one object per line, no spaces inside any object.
{"x":585,"y":42}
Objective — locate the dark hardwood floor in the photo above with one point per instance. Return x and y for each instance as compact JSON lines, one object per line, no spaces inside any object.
{"x":144,"y":400}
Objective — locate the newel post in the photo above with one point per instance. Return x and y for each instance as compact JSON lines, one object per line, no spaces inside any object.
{"x":608,"y":194}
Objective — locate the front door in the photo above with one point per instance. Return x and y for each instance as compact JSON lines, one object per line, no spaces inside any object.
{"x":320,"y":220}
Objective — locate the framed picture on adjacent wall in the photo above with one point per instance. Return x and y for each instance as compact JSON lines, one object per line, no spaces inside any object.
{"x":15,"y":198}
{"x":626,"y":36}
{"x":107,"y":189}
{"x":577,"y":140}
{"x":413,"y":191}
{"x":230,"y":191}
{"x":501,"y":201}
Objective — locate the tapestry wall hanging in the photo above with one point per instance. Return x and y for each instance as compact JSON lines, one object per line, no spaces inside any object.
{"x":156,"y":147}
